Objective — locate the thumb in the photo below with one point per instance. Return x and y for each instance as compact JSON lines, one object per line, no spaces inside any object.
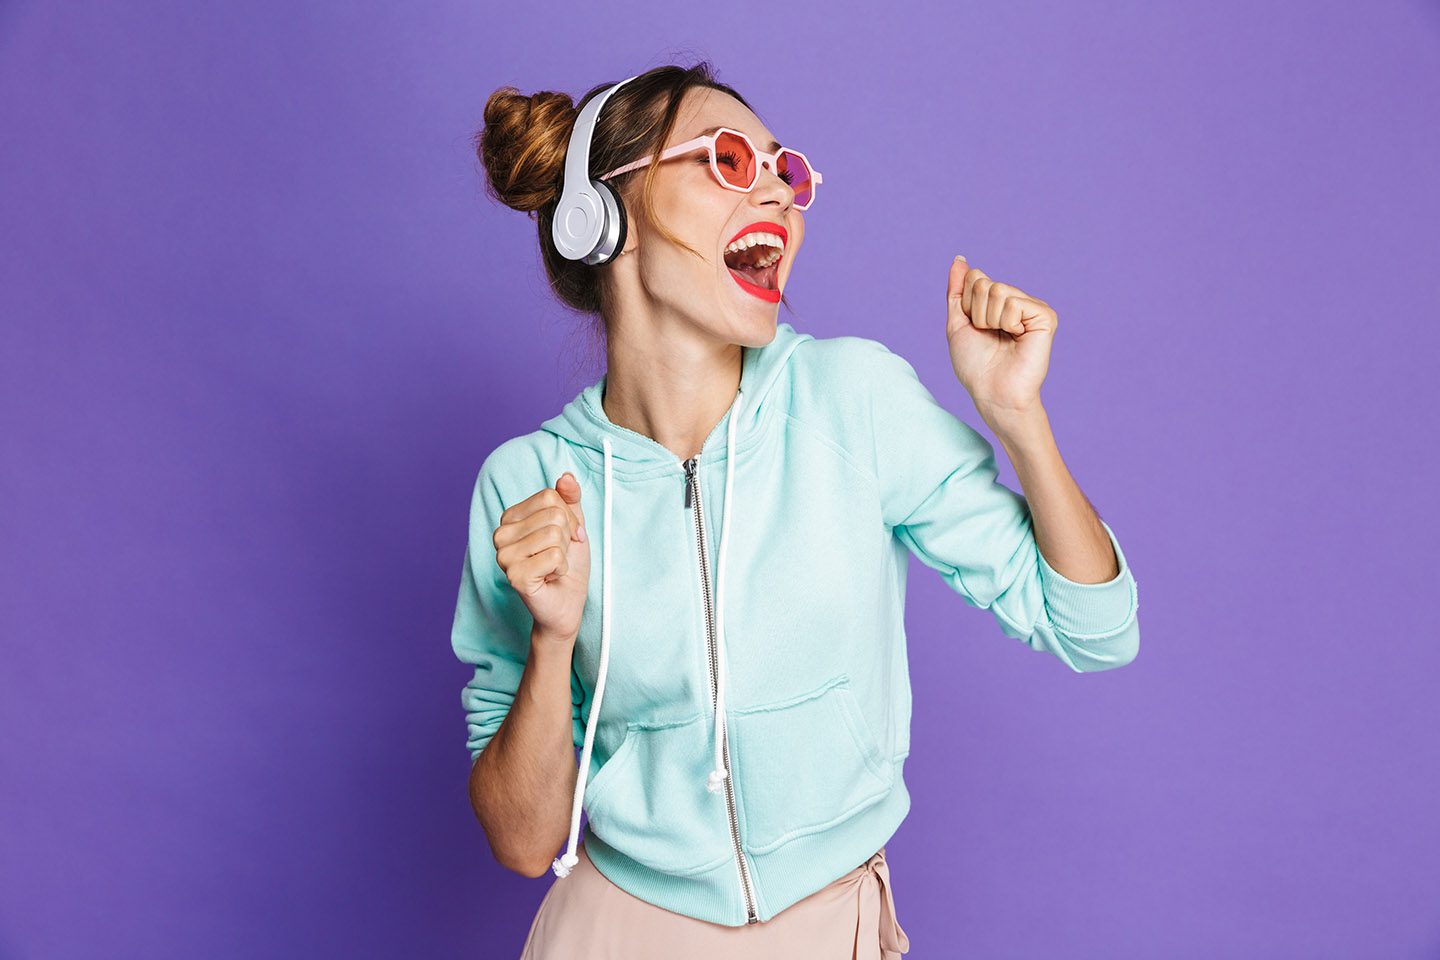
{"x":955,"y":292}
{"x":569,"y":489}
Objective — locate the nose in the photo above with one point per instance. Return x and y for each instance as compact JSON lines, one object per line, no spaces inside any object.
{"x":769,"y":187}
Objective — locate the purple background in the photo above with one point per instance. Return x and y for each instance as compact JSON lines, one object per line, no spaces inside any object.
{"x":261,"y":327}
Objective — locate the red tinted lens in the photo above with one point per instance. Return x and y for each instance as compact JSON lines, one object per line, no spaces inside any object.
{"x":798,"y":177}
{"x":735,"y":159}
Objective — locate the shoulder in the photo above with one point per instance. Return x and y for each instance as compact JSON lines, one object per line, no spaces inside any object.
{"x":844,"y":371}
{"x":519,"y":468}
{"x":844,"y":351}
{"x":852,"y":358}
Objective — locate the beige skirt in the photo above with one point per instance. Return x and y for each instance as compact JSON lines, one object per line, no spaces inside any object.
{"x":588,"y":916}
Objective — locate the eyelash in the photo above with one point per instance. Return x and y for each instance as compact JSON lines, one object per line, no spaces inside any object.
{"x":787,"y":176}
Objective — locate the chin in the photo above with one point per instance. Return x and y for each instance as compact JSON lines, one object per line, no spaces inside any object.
{"x":763,"y":337}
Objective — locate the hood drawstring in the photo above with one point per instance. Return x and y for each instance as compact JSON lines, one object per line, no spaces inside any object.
{"x":562,"y":864}
{"x":716,"y":780}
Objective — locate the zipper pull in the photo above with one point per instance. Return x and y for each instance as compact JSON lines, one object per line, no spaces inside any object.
{"x":689,"y":478}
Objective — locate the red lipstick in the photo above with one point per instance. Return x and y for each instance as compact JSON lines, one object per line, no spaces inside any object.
{"x":762,"y":226}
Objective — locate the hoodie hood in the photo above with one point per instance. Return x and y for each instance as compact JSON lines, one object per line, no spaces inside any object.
{"x":617,"y":451}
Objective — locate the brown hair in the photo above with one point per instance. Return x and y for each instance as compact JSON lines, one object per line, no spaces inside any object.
{"x":525,"y":139}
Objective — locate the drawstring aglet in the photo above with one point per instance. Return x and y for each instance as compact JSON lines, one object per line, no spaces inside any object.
{"x":562,"y":864}
{"x":716,"y":782}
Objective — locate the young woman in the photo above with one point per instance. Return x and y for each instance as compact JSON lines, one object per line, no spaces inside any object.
{"x":695,"y":572}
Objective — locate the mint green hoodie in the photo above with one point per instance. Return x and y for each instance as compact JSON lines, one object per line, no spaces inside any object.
{"x":740,"y":687}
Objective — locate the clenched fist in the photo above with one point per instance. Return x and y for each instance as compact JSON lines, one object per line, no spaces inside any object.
{"x":1000,"y":339}
{"x":542,"y":547}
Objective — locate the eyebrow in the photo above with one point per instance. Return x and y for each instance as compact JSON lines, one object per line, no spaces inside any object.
{"x":774,"y":144}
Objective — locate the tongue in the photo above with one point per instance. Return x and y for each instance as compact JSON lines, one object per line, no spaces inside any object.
{"x":760,"y":276}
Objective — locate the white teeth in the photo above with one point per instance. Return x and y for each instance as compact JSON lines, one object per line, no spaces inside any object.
{"x":750,"y":239}
{"x":767,"y":260}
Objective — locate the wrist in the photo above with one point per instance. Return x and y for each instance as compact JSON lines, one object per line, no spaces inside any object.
{"x":1014,"y":422}
{"x":541,"y":638}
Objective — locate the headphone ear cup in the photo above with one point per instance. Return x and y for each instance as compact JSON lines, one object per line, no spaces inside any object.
{"x":612,"y":240}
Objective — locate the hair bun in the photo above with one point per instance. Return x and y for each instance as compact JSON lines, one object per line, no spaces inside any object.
{"x":523,"y":144}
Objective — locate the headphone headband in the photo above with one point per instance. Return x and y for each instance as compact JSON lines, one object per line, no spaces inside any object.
{"x":589,"y":222}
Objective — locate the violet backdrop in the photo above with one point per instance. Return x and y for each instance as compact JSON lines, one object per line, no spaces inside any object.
{"x":261,"y":326}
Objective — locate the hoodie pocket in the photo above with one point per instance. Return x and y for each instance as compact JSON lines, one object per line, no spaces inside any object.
{"x":805,"y":764}
{"x":649,"y":800}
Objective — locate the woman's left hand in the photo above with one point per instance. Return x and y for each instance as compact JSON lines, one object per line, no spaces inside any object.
{"x":999,"y":342}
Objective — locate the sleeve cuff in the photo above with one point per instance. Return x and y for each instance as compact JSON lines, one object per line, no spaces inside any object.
{"x":1090,"y":611}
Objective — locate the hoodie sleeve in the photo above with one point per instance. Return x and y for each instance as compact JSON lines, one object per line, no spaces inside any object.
{"x":492,"y":627}
{"x":941,"y":498}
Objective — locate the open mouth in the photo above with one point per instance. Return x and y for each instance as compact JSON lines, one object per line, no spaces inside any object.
{"x":754,"y":261}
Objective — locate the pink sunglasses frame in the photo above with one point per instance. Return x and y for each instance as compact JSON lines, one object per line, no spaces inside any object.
{"x":709,"y":140}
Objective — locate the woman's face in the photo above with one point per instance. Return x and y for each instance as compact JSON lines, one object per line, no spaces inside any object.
{"x":708,"y":217}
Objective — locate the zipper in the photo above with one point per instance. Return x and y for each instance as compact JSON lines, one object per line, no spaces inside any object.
{"x":692,"y":489}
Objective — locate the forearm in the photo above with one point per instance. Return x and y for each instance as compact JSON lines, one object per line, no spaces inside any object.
{"x":523,"y":785}
{"x":1067,"y":529}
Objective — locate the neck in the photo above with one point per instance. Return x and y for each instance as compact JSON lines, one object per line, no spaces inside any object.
{"x":672,"y":387}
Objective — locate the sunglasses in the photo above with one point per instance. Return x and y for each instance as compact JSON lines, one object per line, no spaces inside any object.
{"x":736,"y":164}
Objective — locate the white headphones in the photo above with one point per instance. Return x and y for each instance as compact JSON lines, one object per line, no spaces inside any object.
{"x":589,"y":221}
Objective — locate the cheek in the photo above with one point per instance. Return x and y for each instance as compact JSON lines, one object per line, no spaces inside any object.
{"x":698,"y":222}
{"x":797,"y":240}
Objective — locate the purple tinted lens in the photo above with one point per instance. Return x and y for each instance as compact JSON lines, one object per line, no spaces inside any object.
{"x":798,"y":176}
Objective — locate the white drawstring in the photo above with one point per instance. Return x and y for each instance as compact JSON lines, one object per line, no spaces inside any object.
{"x":716,"y":781}
{"x":562,"y":864}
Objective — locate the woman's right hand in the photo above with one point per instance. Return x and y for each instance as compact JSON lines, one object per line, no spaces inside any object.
{"x":542,"y":547}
